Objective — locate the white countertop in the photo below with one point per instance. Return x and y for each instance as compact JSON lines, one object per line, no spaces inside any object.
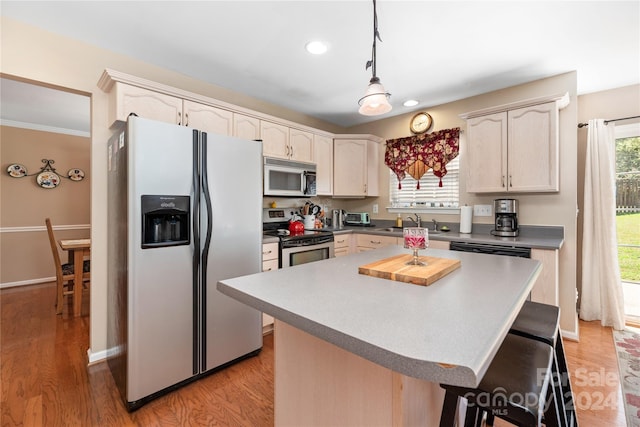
{"x":447,"y":332}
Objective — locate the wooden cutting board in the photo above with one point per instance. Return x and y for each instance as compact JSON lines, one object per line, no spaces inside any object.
{"x":396,"y":268}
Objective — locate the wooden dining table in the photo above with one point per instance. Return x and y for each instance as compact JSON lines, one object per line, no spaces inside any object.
{"x":78,"y":250}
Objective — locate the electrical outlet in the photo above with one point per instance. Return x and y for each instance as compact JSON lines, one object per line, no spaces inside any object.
{"x":482,"y":210}
{"x":375,"y":208}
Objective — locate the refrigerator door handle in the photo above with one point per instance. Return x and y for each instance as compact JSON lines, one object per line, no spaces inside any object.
{"x":195,"y":224}
{"x":205,"y":250}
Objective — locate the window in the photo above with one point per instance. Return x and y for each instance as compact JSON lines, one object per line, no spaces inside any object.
{"x":628,"y":216}
{"x":430,"y":193}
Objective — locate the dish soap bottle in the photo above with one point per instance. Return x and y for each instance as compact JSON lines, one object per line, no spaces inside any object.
{"x":399,"y":221}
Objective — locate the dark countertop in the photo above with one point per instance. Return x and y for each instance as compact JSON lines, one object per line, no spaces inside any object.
{"x":531,"y":236}
{"x":535,"y":237}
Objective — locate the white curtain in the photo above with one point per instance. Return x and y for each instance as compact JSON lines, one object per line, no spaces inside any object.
{"x":602,"y":296}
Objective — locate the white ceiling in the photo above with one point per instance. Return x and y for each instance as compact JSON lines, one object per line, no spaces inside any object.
{"x":434,"y":51}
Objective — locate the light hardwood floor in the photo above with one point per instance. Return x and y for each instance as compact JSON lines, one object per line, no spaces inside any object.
{"x":46,"y":381}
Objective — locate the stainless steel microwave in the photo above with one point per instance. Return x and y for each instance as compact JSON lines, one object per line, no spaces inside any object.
{"x":289,"y":178}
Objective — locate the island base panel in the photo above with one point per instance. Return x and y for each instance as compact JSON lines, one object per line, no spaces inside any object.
{"x":320,"y":384}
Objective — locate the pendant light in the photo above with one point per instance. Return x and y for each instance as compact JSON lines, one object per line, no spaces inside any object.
{"x":376,"y":99}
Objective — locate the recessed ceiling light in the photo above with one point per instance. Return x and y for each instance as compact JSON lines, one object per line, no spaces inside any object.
{"x":316,"y":47}
{"x":411,"y":103}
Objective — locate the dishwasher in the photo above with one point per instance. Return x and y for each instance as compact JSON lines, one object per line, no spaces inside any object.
{"x":488,"y":248}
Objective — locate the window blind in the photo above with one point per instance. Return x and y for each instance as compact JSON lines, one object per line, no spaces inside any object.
{"x":430,"y":193}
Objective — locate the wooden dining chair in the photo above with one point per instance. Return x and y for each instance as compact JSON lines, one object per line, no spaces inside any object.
{"x":64,"y":272}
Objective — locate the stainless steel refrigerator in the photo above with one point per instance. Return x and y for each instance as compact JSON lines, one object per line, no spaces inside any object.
{"x":184,"y":211}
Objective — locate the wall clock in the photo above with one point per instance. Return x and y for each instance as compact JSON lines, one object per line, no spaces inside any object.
{"x":420,"y":123}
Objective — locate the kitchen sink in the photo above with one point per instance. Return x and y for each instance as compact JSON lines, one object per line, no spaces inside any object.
{"x":389,"y":229}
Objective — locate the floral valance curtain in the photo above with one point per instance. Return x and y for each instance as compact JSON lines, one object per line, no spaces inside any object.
{"x":417,"y":154}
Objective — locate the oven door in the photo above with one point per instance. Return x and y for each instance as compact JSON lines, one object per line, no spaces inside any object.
{"x":304,"y":254}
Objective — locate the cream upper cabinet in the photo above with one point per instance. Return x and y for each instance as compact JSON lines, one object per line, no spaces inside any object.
{"x":533,"y":148}
{"x":487,"y":153}
{"x":515,"y":150}
{"x":285,"y":143}
{"x":207,"y":118}
{"x":126,"y":99}
{"x":275,"y":140}
{"x":323,"y":156}
{"x":300,"y":145}
{"x":246,"y":127}
{"x":373,"y":166}
{"x":350,"y":167}
{"x":355,"y":167}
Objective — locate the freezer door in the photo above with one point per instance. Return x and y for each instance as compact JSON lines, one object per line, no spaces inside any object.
{"x":234,"y":174}
{"x":160,"y":331}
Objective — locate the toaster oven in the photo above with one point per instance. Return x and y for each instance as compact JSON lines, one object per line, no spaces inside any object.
{"x":357,"y":218}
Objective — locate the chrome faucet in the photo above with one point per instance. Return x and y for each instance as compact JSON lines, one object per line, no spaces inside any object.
{"x":435,"y":224}
{"x":417,"y":221}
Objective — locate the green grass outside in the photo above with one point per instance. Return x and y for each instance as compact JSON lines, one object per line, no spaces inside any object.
{"x":628,"y":229}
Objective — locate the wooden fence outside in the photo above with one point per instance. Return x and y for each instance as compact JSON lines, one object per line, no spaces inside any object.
{"x":628,"y":192}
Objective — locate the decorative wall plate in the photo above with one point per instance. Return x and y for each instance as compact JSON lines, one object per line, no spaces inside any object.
{"x":17,"y":171}
{"x":75,"y":174}
{"x":48,"y":179}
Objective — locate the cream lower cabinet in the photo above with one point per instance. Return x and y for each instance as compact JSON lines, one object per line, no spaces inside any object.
{"x":438,"y":244}
{"x":546,"y":289}
{"x":368,"y":242}
{"x":270,"y":260}
{"x":341,"y":244}
{"x":356,"y":160}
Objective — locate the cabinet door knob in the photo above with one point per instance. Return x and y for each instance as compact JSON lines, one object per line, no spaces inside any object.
{"x":510,"y":181}
{"x":179,"y":118}
{"x":502,"y":181}
{"x":186,"y":119}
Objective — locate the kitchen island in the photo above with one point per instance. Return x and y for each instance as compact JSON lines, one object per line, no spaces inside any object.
{"x":357,"y":350}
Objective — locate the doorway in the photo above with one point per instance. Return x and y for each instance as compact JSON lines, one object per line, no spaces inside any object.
{"x":41,"y":126}
{"x":628,"y":216}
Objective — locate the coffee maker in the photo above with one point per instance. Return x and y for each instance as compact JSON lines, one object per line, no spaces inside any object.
{"x":506,"y":211}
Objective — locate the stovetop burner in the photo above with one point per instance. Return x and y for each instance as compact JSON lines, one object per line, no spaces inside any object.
{"x":275,"y":223}
{"x":283,"y":233}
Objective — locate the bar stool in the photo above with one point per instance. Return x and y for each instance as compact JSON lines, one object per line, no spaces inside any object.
{"x":517,"y":387}
{"x":541,"y":322}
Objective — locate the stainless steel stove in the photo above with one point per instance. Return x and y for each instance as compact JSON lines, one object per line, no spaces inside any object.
{"x":294,"y":249}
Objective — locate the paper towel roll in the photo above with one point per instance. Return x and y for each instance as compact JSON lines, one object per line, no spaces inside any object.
{"x":466,"y":218}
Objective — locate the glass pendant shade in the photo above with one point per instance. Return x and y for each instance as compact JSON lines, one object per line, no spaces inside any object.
{"x":375,"y":100}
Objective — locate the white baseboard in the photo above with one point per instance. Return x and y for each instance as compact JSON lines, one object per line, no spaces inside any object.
{"x":569,"y":335}
{"x":27,"y":282}
{"x":98,"y":356}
